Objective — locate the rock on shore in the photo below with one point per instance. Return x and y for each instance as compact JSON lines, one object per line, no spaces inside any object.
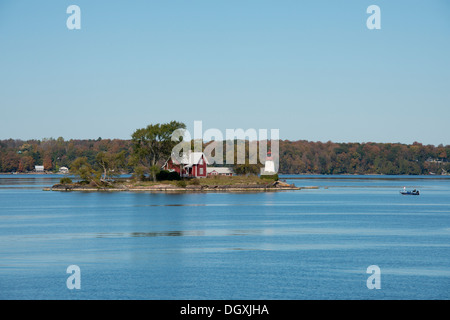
{"x":275,"y":186}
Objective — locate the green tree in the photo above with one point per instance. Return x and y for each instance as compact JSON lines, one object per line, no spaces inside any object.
{"x":81,"y":167}
{"x":247,"y":168}
{"x":110,"y":164}
{"x":152,"y":145}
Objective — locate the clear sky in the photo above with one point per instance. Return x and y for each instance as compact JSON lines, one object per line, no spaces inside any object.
{"x":311,"y":69}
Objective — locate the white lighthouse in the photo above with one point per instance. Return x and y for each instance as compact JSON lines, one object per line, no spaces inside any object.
{"x":269,"y":166}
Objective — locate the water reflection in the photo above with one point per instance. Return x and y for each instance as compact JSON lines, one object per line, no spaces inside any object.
{"x":173,"y":205}
{"x":151,"y":234}
{"x":181,"y":233}
{"x":167,"y":234}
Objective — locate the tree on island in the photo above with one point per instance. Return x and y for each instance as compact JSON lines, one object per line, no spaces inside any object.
{"x":81,"y":167}
{"x":247,"y":169}
{"x":151,"y":145}
{"x":251,"y":166}
{"x":107,"y":165}
{"x":110,"y":164}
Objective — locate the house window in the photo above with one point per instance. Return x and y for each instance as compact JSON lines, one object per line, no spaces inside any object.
{"x":201,"y":171}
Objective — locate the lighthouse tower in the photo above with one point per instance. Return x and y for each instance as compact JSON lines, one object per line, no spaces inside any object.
{"x":269,"y":166}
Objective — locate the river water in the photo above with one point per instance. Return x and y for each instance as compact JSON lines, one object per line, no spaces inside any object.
{"x":291,"y":245}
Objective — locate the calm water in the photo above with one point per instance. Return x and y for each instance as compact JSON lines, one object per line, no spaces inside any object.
{"x":308,"y":244}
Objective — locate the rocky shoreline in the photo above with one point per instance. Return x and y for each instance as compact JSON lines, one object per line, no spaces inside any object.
{"x":274,"y":186}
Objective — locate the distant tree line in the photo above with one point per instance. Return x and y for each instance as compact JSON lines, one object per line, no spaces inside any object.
{"x":22,"y":156}
{"x":109,"y":157}
{"x":299,"y":157}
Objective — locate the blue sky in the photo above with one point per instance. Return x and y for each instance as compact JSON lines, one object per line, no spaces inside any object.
{"x":311,"y":69}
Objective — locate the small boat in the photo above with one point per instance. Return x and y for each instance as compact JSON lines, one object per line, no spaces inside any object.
{"x":412,"y":193}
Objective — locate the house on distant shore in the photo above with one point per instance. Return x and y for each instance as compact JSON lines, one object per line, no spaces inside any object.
{"x":39,"y":168}
{"x":219,"y":171}
{"x":192,"y":164}
{"x":64,"y":170}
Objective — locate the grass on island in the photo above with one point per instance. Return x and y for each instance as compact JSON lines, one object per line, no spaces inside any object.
{"x":211,"y":181}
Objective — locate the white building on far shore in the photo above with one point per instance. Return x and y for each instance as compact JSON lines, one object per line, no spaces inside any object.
{"x":39,"y":168}
{"x":64,"y":170}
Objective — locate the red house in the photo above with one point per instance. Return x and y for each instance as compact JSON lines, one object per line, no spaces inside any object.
{"x":192,"y":164}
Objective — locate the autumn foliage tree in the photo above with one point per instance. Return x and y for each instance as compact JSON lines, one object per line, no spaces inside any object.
{"x":152,"y":145}
{"x":82,"y":168}
{"x":110,"y":164}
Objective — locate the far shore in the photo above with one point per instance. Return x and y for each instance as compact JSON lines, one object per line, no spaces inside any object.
{"x":32,"y":173}
{"x":280,"y":174}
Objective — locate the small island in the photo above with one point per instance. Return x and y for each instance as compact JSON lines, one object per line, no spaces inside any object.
{"x":153,"y":166}
{"x":209,"y":184}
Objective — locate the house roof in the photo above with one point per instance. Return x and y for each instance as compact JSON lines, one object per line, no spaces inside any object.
{"x":222,"y":170}
{"x":190,"y":158}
